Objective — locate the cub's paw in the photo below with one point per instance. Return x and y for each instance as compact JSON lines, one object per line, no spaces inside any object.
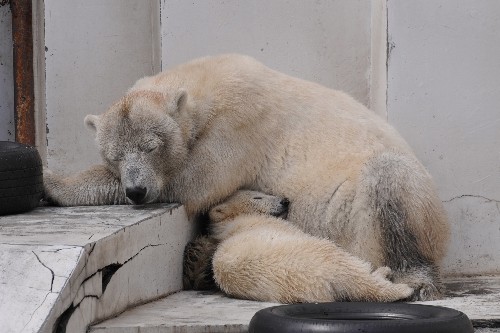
{"x":198,"y":271}
{"x":389,"y":291}
{"x":383,"y":272}
{"x":399,"y":292}
{"x":51,"y":186}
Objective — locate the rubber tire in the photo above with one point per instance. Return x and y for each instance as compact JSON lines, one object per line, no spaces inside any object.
{"x":359,"y":317}
{"x":21,"y":178}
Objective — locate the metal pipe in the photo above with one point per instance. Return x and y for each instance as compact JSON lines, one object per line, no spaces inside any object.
{"x":24,"y":95}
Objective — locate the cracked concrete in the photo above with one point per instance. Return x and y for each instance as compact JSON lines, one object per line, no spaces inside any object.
{"x":51,"y":271}
{"x":62,"y":269}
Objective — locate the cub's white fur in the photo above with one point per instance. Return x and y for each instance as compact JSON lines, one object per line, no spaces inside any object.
{"x":264,"y":258}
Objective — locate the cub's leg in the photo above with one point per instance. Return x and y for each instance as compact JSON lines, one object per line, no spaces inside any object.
{"x":376,"y":287}
{"x":198,"y":273}
{"x":95,"y":186}
{"x":408,"y":219}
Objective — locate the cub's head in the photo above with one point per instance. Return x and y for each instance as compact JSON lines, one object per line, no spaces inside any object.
{"x":142,"y":142}
{"x":248,"y":202}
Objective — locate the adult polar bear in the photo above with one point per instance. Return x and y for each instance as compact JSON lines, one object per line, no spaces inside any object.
{"x":197,"y":133}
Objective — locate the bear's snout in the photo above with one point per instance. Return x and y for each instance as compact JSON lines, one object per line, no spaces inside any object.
{"x":136,"y":194}
{"x":285,"y":202}
{"x":282,"y":209}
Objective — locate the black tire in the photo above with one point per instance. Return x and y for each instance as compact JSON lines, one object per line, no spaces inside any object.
{"x":359,"y":317}
{"x":21,"y":178}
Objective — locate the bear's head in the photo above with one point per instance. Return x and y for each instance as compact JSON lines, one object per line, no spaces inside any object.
{"x":249,"y":203}
{"x":142,"y":140}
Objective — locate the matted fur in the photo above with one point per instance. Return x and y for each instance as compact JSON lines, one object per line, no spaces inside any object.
{"x":197,"y":264}
{"x":204,"y":129}
{"x":264,"y":258}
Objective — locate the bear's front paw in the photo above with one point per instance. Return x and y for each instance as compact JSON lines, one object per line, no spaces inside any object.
{"x":51,"y":187}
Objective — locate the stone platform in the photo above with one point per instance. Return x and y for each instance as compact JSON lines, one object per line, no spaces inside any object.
{"x":204,"y":312}
{"x":62,"y":269}
{"x":117,"y":269}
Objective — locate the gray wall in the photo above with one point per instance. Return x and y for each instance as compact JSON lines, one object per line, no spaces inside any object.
{"x":323,"y":41}
{"x":95,"y":50}
{"x":444,"y":97}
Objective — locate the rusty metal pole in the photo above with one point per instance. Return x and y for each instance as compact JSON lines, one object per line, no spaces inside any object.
{"x":24,"y":94}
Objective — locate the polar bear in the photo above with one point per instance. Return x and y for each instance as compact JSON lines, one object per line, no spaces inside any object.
{"x":202,"y":130}
{"x":264,"y":258}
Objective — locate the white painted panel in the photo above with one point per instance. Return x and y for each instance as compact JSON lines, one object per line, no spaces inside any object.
{"x":443,"y":96}
{"x":95,"y":50}
{"x":7,"y":126}
{"x":324,"y":41}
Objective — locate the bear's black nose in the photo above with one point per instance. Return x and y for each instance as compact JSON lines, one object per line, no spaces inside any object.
{"x":136,"y":194}
{"x":285,"y":202}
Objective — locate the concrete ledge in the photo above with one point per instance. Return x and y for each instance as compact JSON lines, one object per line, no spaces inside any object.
{"x":186,"y":312}
{"x":62,"y":269}
{"x":202,"y":312}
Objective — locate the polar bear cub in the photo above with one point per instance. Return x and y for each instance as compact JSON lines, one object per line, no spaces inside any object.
{"x":261,"y":257}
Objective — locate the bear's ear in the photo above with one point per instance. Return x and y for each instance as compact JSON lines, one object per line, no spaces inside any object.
{"x":91,"y":121}
{"x":218,"y":213}
{"x":181,"y":99}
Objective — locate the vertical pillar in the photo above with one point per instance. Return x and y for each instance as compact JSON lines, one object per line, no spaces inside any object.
{"x":22,"y":37}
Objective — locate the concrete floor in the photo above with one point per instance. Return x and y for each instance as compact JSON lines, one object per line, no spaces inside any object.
{"x":197,"y":312}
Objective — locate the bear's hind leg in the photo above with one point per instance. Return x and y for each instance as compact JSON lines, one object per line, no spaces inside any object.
{"x":383,"y":290}
{"x":355,"y":281}
{"x":408,"y":219}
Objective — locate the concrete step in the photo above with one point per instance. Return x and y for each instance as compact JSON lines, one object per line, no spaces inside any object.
{"x":62,"y":269}
{"x":203,"y":312}
{"x":186,"y":312}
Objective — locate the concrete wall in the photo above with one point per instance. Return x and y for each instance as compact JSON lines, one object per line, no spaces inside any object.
{"x":443,"y":96}
{"x":324,"y":41}
{"x":114,"y":43}
{"x":95,"y":50}
{"x":7,"y":127}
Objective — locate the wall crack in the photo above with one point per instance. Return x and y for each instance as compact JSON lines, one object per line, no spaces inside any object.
{"x":472,"y":196}
{"x":145,"y":247}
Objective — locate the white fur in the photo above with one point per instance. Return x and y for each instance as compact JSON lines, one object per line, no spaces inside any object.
{"x":267,"y":259}
{"x":218,"y":124}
